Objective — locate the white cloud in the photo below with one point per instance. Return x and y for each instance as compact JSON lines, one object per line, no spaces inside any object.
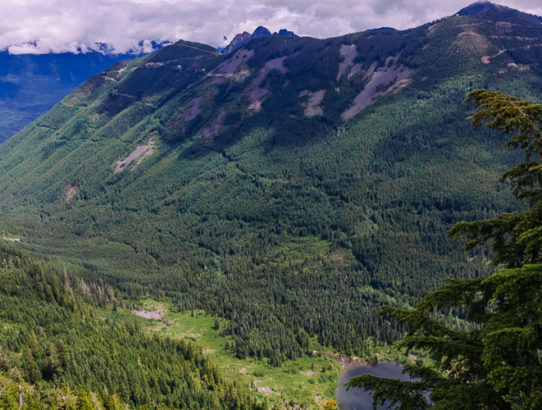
{"x":42,"y":26}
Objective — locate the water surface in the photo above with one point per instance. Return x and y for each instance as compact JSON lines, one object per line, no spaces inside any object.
{"x":359,"y":399}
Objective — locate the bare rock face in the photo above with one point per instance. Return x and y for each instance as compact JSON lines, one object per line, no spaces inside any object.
{"x":261,"y":32}
{"x":245,"y":37}
{"x":238,"y":41}
{"x":390,"y":78}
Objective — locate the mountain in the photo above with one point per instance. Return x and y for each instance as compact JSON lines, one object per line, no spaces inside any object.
{"x":290,"y":186}
{"x":30,"y":84}
{"x":481,"y":7}
{"x":487,"y":8}
{"x":245,"y":37}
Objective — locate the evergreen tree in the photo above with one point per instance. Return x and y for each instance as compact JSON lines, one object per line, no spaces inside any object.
{"x":495,"y":362}
{"x":83,"y":401}
{"x":62,"y":353}
{"x":30,"y":367}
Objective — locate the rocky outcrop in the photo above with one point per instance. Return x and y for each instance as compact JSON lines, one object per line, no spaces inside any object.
{"x":245,"y":37}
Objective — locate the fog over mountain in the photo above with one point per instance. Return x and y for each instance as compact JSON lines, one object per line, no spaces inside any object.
{"x":37,"y":27}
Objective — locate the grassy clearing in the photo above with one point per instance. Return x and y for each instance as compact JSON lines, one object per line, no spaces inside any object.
{"x":309,"y":380}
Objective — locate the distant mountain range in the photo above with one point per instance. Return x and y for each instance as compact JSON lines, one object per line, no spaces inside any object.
{"x":30,"y":84}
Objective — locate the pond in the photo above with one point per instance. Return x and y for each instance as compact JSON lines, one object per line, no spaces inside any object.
{"x":359,"y":399}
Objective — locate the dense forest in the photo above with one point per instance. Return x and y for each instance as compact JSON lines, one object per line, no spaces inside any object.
{"x":58,"y":353}
{"x":291,"y":223}
{"x":493,"y":359}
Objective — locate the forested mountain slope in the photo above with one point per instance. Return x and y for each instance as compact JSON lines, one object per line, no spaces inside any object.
{"x":290,"y":186}
{"x":57,"y":352}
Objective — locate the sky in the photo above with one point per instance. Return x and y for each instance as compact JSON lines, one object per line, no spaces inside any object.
{"x":43,"y":26}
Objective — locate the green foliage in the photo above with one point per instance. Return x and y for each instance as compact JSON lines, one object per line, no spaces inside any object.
{"x":495,"y":361}
{"x":56,"y":338}
{"x":287,"y":383}
{"x":515,"y":238}
{"x":278,"y":222}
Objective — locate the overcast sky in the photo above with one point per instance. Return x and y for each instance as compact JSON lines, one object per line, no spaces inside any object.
{"x":41,"y":26}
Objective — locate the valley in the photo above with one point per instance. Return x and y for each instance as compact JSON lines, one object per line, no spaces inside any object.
{"x":249,"y":212}
{"x":309,"y":380}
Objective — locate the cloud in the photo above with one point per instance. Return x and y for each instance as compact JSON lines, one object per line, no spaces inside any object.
{"x":43,"y":26}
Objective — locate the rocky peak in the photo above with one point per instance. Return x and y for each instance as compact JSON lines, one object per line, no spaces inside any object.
{"x":238,"y":41}
{"x":261,"y":31}
{"x":286,"y":33}
{"x":245,"y":37}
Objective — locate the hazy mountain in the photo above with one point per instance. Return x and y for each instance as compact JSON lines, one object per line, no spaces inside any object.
{"x":289,"y":186}
{"x":31,"y":84}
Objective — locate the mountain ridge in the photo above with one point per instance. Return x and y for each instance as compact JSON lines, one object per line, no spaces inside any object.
{"x":487,"y":7}
{"x":243,"y":38}
{"x":480,"y":7}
